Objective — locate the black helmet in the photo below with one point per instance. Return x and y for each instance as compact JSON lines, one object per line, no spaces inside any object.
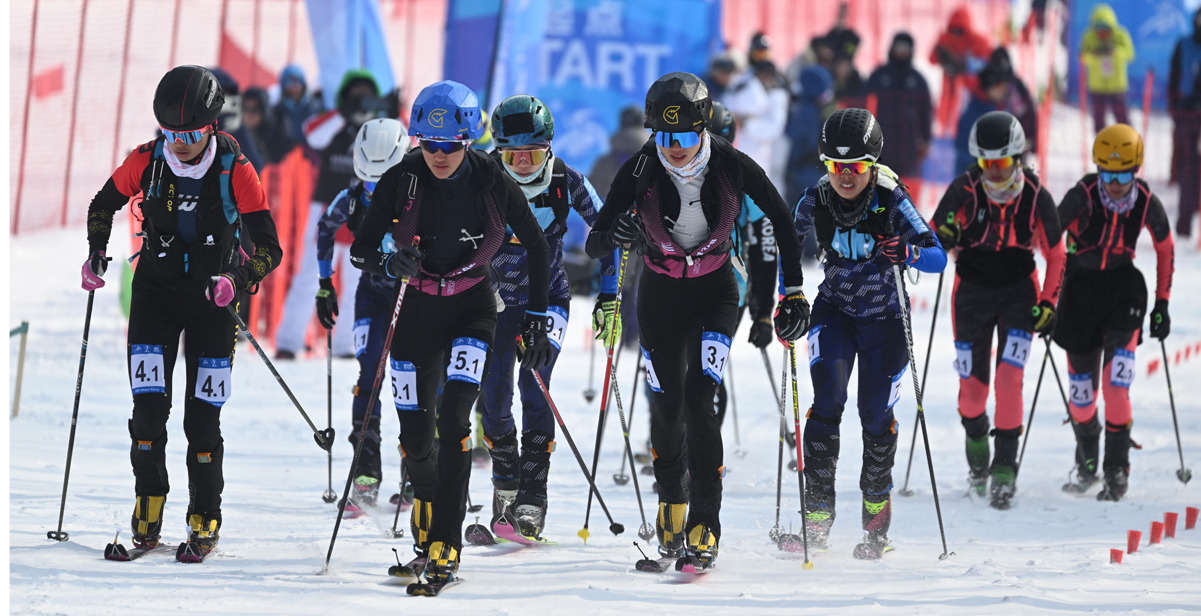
{"x":723,"y":123}
{"x":851,"y":134}
{"x":997,"y":134}
{"x":187,"y":98}
{"x":678,"y":103}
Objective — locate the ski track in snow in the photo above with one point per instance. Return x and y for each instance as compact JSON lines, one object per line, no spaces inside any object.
{"x":1049,"y":554}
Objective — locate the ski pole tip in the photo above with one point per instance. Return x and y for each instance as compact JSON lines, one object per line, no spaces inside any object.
{"x":808,"y":565}
{"x":584,"y":534}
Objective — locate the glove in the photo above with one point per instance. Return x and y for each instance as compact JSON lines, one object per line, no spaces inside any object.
{"x":949,"y":233}
{"x":792,"y":316}
{"x":327,"y":303}
{"x":538,"y":350}
{"x":1044,"y":318}
{"x":1161,"y":325}
{"x":403,"y":264}
{"x":627,"y":230}
{"x":605,"y":321}
{"x":93,"y":270}
{"x":894,"y":250}
{"x":220,"y":289}
{"x":761,"y":333}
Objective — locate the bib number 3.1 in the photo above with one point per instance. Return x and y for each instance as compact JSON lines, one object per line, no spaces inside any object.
{"x":715,"y":350}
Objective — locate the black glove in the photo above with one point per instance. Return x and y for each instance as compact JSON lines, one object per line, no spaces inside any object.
{"x":949,"y":232}
{"x":792,"y":316}
{"x":894,"y":250}
{"x":761,"y":333}
{"x":627,"y":230}
{"x":403,"y":264}
{"x":327,"y":303}
{"x":1043,"y":316}
{"x":538,"y":349}
{"x":1161,"y":325}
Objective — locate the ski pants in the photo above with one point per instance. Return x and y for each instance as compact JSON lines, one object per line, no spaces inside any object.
{"x":685,"y":326}
{"x":161,"y":309}
{"x":498,"y":382}
{"x":299,"y":304}
{"x":441,"y":339}
{"x":374,"y":301}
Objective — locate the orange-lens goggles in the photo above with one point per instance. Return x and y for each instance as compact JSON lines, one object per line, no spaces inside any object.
{"x":857,"y":167}
{"x":995,"y":163}
{"x":526,"y":157}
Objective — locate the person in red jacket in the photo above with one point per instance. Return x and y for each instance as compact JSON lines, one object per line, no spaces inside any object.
{"x":961,"y":52}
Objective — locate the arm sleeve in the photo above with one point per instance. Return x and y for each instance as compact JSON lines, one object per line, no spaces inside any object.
{"x":1124,"y":49}
{"x":620,"y":200}
{"x":334,"y":217}
{"x":121,"y":186}
{"x":587,"y":204}
{"x":521,"y":219}
{"x":763,"y":264}
{"x":1161,"y":233}
{"x":1071,"y":208}
{"x":760,"y":189}
{"x":365,"y":252}
{"x":1047,"y":236}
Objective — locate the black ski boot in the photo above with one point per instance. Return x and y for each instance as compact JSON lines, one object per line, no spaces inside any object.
{"x":977,"y":449}
{"x":821,"y":465}
{"x":877,"y":517}
{"x":1117,"y":462}
{"x":1088,"y":452}
{"x":1003,"y":473}
{"x":530,"y":506}
{"x":147,"y":521}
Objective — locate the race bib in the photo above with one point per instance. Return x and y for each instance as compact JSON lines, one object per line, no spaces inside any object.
{"x":1081,"y":388}
{"x":1017,"y":348}
{"x":963,"y":359}
{"x":894,"y":392}
{"x":213,"y":384}
{"x":361,"y":328}
{"x":715,"y":349}
{"x":556,"y":326}
{"x":467,"y":357}
{"x":146,"y":369}
{"x":404,"y":385}
{"x":815,"y":348}
{"x":652,"y":380}
{"x":1121,"y":368}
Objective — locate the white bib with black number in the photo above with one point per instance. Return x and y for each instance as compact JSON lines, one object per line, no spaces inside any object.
{"x":362,"y":327}
{"x":404,"y":385}
{"x":894,"y":392}
{"x":715,"y":349}
{"x":556,"y":326}
{"x":467,"y":356}
{"x":815,"y":347}
{"x":146,"y":369}
{"x":1017,"y":348}
{"x":1081,"y":388}
{"x":963,"y":359}
{"x":213,"y":383}
{"x":652,"y":380}
{"x":1121,"y":368}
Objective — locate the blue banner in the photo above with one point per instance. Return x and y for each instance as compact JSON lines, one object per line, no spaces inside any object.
{"x":348,"y":35}
{"x":1154,"y":25}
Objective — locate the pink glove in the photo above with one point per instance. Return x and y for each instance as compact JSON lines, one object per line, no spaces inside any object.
{"x":93,"y":271}
{"x":220,"y":289}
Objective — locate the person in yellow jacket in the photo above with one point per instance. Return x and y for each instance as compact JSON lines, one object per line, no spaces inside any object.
{"x":1106,"y":50}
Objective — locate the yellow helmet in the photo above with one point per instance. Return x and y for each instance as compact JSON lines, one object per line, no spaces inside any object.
{"x":1118,"y":147}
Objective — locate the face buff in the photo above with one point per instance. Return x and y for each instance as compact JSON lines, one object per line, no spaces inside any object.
{"x":1006,"y":190}
{"x":685,"y":174}
{"x":537,"y":182}
{"x":197,"y":171}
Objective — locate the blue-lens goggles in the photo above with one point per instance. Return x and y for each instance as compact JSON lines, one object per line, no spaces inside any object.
{"x":446,"y":147}
{"x":188,"y":137}
{"x":686,"y":140}
{"x":1121,"y":177}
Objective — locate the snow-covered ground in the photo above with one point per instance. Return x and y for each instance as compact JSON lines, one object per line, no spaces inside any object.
{"x":1048,"y":554}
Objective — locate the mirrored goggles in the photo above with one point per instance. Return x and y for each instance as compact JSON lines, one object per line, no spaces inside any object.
{"x":995,"y":163}
{"x":188,"y":137}
{"x":686,"y":140}
{"x":533,"y":158}
{"x":446,"y":147}
{"x":1121,"y":177}
{"x":857,"y":167}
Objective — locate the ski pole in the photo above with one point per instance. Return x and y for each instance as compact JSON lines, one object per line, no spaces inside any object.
{"x":738,"y":452}
{"x":590,"y":393}
{"x":1184,"y":474}
{"x":776,"y":530}
{"x":1033,"y":404}
{"x":921,"y":415}
{"x":329,"y":496}
{"x":59,"y":535}
{"x":905,"y":491}
{"x":404,"y":479}
{"x":324,"y":438}
{"x":621,"y":478}
{"x":800,"y":458}
{"x":646,"y":531}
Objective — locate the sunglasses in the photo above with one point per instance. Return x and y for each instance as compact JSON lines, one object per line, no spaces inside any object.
{"x":446,"y":147}
{"x":527,"y":157}
{"x":856,"y":167}
{"x":995,"y":163}
{"x":1121,"y":177}
{"x":188,"y":137}
{"x":686,"y":140}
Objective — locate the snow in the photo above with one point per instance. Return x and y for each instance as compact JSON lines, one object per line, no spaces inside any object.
{"x":1049,"y":554}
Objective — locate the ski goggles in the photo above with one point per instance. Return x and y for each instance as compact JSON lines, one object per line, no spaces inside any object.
{"x":995,"y":163}
{"x":856,"y":167}
{"x":446,"y":147}
{"x":1121,"y":177}
{"x":188,"y":137}
{"x":686,"y":140}
{"x":533,"y":157}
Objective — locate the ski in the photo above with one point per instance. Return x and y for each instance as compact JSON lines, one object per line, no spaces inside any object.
{"x":654,"y":565}
{"x":189,"y":552}
{"x":116,"y":551}
{"x":1079,"y":487}
{"x":870,"y":551}
{"x":477,"y":534}
{"x":686,"y":564}
{"x":411,"y":569}
{"x":431,"y":589}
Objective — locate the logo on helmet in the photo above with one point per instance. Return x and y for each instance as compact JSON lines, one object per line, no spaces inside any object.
{"x":436,"y":117}
{"x":208,"y":99}
{"x":842,"y":149}
{"x":867,"y":134}
{"x":671,"y":115}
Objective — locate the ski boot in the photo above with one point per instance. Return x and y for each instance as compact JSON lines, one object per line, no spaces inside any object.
{"x":1004,"y":468}
{"x":977,"y":448}
{"x":147,"y":521}
{"x":1117,"y":462}
{"x":443,"y":563}
{"x":364,"y":492}
{"x":419,"y":524}
{"x":1088,"y":450}
{"x":531,"y":516}
{"x":202,"y":538}
{"x":669,"y":526}
{"x":818,"y":521}
{"x":700,"y":554}
{"x":877,"y":518}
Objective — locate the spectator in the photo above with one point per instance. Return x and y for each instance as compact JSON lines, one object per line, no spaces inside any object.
{"x":760,"y":106}
{"x":1105,"y":50}
{"x":961,"y":52}
{"x":843,"y":40}
{"x":999,"y":90}
{"x":903,"y":108}
{"x":812,"y":101}
{"x":760,"y":49}
{"x":230,"y":119}
{"x":848,"y":83}
{"x":1184,"y":102}
{"x":629,"y":138}
{"x":294,"y":107}
{"x":721,"y":73}
{"x":258,"y":126}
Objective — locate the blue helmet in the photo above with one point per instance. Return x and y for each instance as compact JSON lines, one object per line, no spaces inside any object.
{"x":446,"y":110}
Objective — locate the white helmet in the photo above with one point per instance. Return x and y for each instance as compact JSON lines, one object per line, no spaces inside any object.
{"x":379,"y":145}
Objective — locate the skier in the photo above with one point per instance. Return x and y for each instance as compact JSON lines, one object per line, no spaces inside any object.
{"x":993,"y":216}
{"x":522,"y":130}
{"x":197,"y":189}
{"x":378,"y":146}
{"x":1104,"y":300}
{"x":866,"y":224}
{"x":677,"y":201}
{"x":446,"y":206}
